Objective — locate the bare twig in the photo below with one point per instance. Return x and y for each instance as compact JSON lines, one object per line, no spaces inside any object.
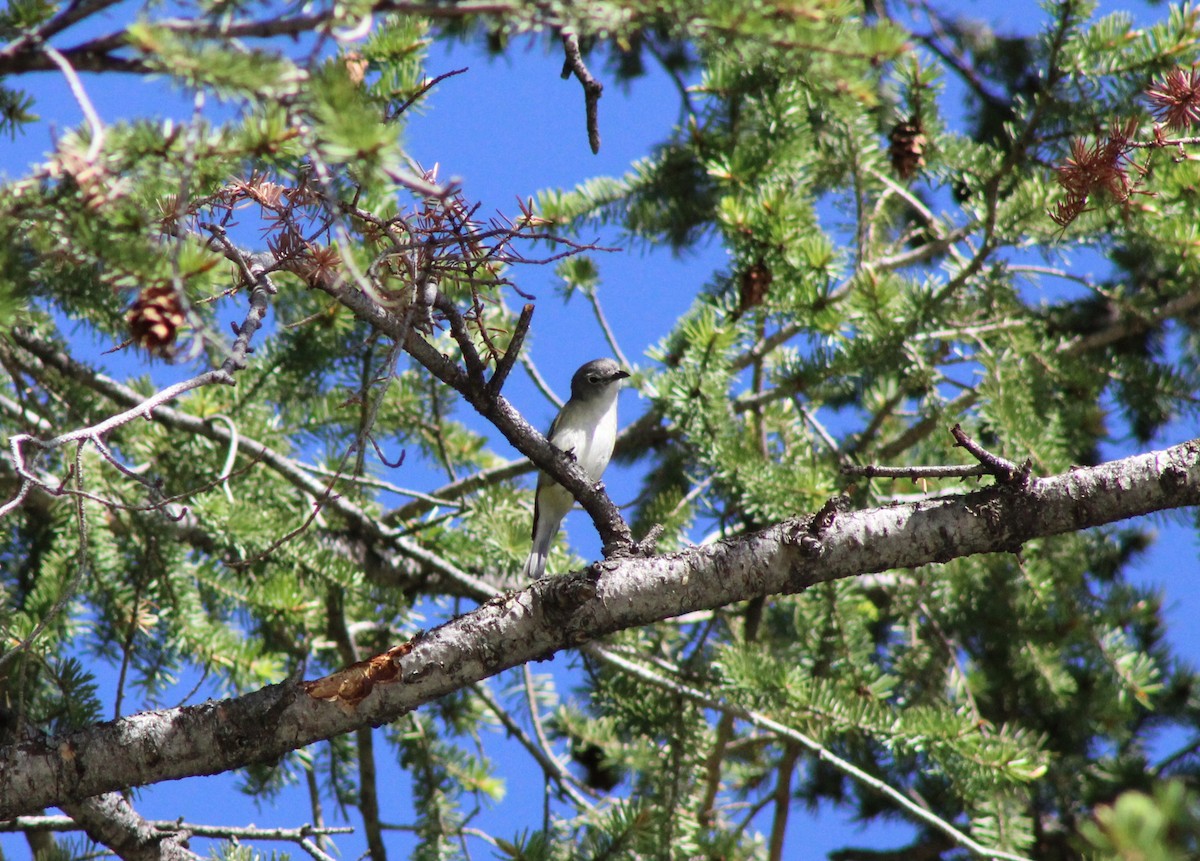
{"x":592,"y":89}
{"x":608,"y":332}
{"x":18,"y":442}
{"x":535,"y":717}
{"x":555,"y":770}
{"x":496,"y":383}
{"x":782,"y":799}
{"x":466,"y":346}
{"x":366,"y":525}
{"x":425,"y":88}
{"x":1133,"y":324}
{"x":373,"y":406}
{"x":81,"y":97}
{"x":449,"y":494}
{"x":315,"y":850}
{"x":314,"y":799}
{"x":540,"y":381}
{"x":871,"y":470}
{"x":1005,"y":471}
{"x":378,"y":483}
{"x":62,"y":824}
{"x":230,"y":455}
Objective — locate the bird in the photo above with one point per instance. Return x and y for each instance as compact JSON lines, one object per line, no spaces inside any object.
{"x":586,"y":427}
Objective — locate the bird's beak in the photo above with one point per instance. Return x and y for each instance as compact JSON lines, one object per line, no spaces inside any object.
{"x":621,"y":374}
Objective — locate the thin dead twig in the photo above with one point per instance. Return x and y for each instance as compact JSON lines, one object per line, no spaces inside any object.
{"x":592,"y":89}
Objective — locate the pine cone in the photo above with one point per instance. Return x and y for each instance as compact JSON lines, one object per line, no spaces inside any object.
{"x":907,"y":150}
{"x":756,"y":282}
{"x":155,"y":318}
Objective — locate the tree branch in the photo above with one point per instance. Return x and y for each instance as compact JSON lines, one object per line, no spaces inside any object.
{"x":628,"y":439}
{"x":504,"y":366}
{"x":614,"y":532}
{"x":562,"y":612}
{"x":110,"y":820}
{"x":66,"y":824}
{"x":592,"y":89}
{"x":902,"y":801}
{"x":381,"y":535}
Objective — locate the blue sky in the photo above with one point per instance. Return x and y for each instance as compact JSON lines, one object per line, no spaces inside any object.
{"x":507,"y":128}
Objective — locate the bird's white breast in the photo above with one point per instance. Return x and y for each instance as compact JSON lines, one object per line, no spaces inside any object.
{"x":593,"y":455}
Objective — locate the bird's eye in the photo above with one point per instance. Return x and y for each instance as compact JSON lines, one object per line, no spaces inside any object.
{"x":592,"y":378}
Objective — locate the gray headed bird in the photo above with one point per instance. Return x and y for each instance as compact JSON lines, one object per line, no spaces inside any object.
{"x":586,"y":427}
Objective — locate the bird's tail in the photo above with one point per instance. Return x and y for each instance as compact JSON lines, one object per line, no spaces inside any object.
{"x":535,"y":565}
{"x":539,"y":552}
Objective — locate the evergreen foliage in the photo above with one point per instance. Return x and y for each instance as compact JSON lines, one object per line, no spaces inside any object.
{"x":1019,"y":258}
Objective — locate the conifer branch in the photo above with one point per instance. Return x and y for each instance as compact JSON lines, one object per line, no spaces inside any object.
{"x":914,"y":313}
{"x":1134,"y":323}
{"x":909,"y":807}
{"x":21,"y":444}
{"x":125,"y":396}
{"x":361,"y":524}
{"x":564,"y":612}
{"x":543,"y":755}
